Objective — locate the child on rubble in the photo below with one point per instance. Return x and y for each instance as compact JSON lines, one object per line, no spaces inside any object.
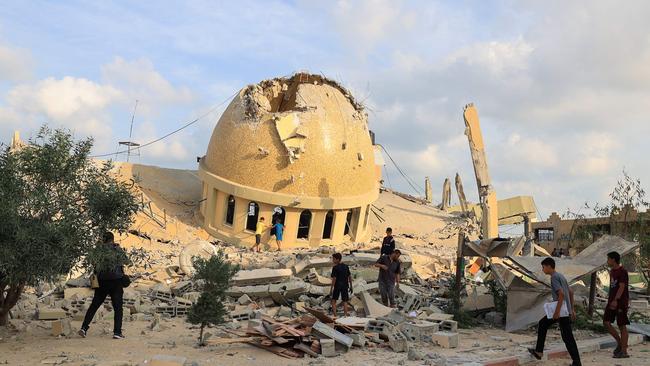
{"x":279,"y":232}
{"x":341,"y":283}
{"x":259,"y":230}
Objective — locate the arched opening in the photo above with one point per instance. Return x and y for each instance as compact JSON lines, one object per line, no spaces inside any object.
{"x":303,"y":224}
{"x":278,"y":214}
{"x":329,"y":221}
{"x":230,"y":212}
{"x":252,"y":216}
{"x":348,"y":223}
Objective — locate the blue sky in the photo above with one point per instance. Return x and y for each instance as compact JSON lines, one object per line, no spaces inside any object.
{"x":561,"y":86}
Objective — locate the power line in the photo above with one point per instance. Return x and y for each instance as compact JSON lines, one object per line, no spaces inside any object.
{"x":171,"y":133}
{"x":408,"y":180}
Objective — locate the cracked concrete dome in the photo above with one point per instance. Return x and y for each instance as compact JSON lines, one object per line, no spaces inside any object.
{"x":303,"y":136}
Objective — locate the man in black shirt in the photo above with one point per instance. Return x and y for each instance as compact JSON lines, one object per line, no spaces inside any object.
{"x":388,"y":245}
{"x":341,"y":283}
{"x":389,"y":276}
{"x":110,"y":284}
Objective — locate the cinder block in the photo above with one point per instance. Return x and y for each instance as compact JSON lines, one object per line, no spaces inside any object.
{"x":417,"y":332}
{"x":445,"y":339}
{"x":449,"y":325}
{"x":398,"y":342}
{"x":381,"y":327}
{"x":358,"y":339}
{"x":328,"y":347}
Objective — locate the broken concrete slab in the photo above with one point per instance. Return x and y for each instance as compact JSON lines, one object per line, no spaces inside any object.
{"x":258,"y":291}
{"x":373,"y":308}
{"x":324,"y":331}
{"x":61,"y":327}
{"x":50,"y":314}
{"x":315,"y":279}
{"x":328,"y":347}
{"x":261,"y":276}
{"x":78,"y":292}
{"x":314,"y":262}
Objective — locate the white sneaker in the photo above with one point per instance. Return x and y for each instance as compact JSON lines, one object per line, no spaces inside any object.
{"x":118,"y":336}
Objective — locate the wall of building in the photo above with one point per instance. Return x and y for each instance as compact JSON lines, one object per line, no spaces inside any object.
{"x":557,"y":233}
{"x":215,"y":212}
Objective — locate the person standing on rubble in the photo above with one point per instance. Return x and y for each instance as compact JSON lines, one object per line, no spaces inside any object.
{"x":388,"y":244}
{"x":389,"y":276}
{"x":617,"y":304}
{"x":341,"y":283}
{"x":279,"y":232}
{"x":111,"y":283}
{"x":563,"y":312}
{"x":259,"y":230}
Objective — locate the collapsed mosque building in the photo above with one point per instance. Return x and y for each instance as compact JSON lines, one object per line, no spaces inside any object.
{"x":295,"y":149}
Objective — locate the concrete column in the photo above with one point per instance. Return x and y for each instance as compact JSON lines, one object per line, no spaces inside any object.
{"x":204,"y":198}
{"x":219,"y":210}
{"x":338,"y":227}
{"x":208,"y":206}
{"x":241,"y":214}
{"x":357,"y":216}
{"x":291,"y":219}
{"x":528,"y":246}
{"x":316,"y":228}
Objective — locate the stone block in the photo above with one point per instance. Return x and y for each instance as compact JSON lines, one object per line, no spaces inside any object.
{"x":449,"y":325}
{"x":445,"y":339}
{"x":241,"y":315}
{"x":639,"y":304}
{"x":314,"y":262}
{"x":261,"y":276}
{"x":78,"y":293}
{"x":358,"y":339}
{"x":398,"y":342}
{"x":180,"y":288}
{"x":380,"y":327}
{"x":61,"y":327}
{"x":328,"y":347}
{"x":373,"y":308}
{"x":326,"y":332}
{"x":244,"y":300}
{"x":50,"y":314}
{"x":257,"y":291}
{"x":418,"y":332}
{"x":166,"y":360}
{"x":287,"y":290}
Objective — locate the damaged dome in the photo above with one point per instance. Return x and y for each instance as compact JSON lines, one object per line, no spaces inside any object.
{"x":304,"y":135}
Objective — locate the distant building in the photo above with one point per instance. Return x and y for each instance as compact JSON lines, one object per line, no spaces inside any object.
{"x":556,"y":232}
{"x":296,"y":149}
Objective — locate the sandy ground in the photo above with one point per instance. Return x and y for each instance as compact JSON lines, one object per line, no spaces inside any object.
{"x":36,"y":346}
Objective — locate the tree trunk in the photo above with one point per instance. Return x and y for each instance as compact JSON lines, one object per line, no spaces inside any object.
{"x":201,"y":344}
{"x":9,"y":300}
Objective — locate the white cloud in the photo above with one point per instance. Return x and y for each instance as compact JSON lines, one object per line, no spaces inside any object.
{"x":494,"y":56}
{"x":596,"y":155}
{"x":139,"y":80}
{"x":15,"y":64}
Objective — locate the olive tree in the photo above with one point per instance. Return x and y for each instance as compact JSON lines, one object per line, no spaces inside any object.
{"x":55,"y":204}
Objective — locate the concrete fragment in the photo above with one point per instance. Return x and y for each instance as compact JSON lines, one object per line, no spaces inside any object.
{"x":61,"y":327}
{"x":50,"y":314}
{"x":398,"y":342}
{"x":315,"y":279}
{"x":314,"y":262}
{"x":324,"y":331}
{"x":79,"y":293}
{"x":372,"y":307}
{"x":328,"y":347}
{"x":494,"y":318}
{"x":358,"y":339}
{"x":445,"y":339}
{"x":261,"y":276}
{"x":244,"y":299}
{"x":417,"y":332}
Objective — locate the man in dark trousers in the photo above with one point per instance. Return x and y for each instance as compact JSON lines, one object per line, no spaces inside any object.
{"x":389,"y":276}
{"x":110,"y":284}
{"x":388,"y":244}
{"x":617,"y":304}
{"x":341,"y":283}
{"x":563,"y":313}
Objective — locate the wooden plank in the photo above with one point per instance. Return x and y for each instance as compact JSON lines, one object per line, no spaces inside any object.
{"x":319,"y":315}
{"x":305,"y":348}
{"x":219,"y":341}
